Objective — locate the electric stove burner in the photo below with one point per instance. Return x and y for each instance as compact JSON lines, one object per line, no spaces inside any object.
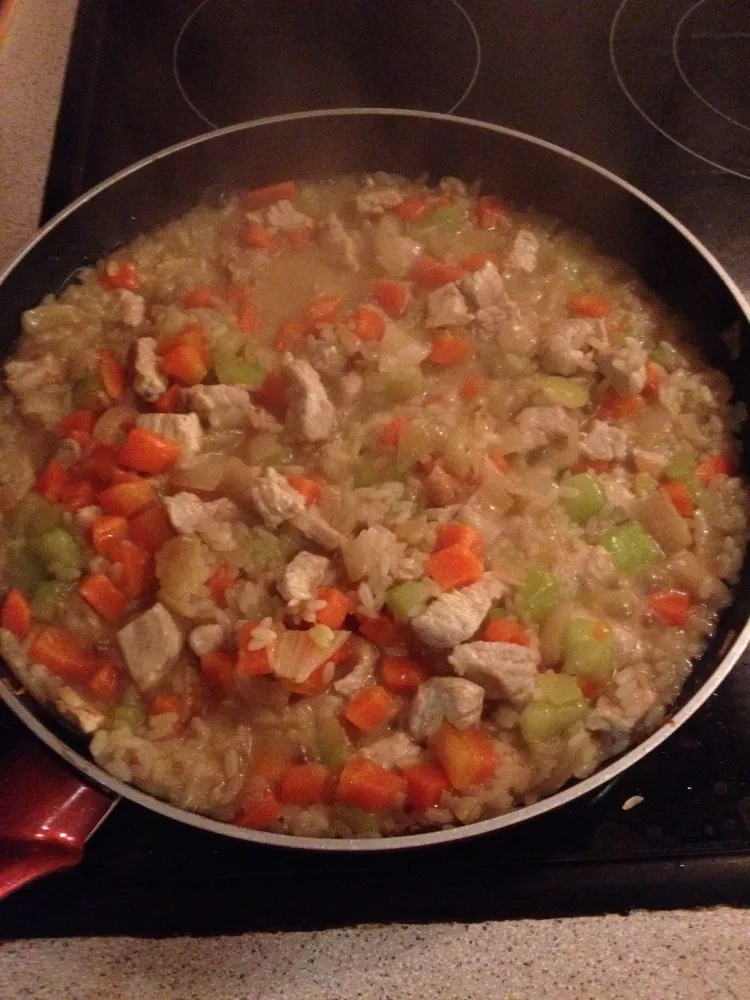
{"x":697,"y":94}
{"x":238,"y":60}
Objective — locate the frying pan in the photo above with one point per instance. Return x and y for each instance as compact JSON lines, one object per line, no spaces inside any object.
{"x":52,"y":801}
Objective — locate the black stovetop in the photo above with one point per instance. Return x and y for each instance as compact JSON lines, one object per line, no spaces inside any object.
{"x":655,"y":90}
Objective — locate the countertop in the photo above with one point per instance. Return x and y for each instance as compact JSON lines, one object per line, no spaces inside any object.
{"x":698,"y":955}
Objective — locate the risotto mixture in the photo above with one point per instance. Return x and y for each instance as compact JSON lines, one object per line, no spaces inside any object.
{"x":361,"y":507}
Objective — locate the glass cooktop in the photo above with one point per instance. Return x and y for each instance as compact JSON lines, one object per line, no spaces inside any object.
{"x":655,"y":90}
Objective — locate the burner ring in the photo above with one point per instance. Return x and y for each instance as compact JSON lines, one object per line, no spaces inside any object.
{"x":436,"y":94}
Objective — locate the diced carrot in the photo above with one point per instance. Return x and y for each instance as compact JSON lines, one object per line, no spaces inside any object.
{"x":454,"y":566}
{"x":218,"y":668}
{"x":366,"y":785}
{"x":259,"y":812}
{"x":369,"y":323}
{"x":273,"y":392}
{"x":247,"y":318}
{"x":590,"y":688}
{"x":337,"y":607}
{"x":654,"y":377}
{"x":506,"y":630}
{"x":321,"y":308}
{"x":127,"y":499}
{"x":200,"y":297}
{"x":269,"y":195}
{"x":391,"y":433}
{"x":185,"y":364}
{"x":52,"y":480}
{"x":449,"y":348}
{"x":491,"y":212}
{"x":456,"y":533}
{"x":472,"y":387}
{"x":384,"y":631}
{"x":134,"y":568}
{"x":151,"y":529}
{"x":299,"y":238}
{"x":238,"y":294}
{"x":105,"y":682}
{"x":416,"y":207}
{"x":251,"y":662}
{"x":597,"y":465}
{"x":499,"y":461}
{"x":425,"y":784}
{"x":371,"y":708}
{"x":614,"y":407}
{"x":271,"y":763}
{"x":714,"y":465}
{"x":260,"y":237}
{"x":677,"y":492}
{"x":309,"y":488}
{"x":468,"y":756}
{"x":16,"y":614}
{"x":433,"y":273}
{"x":103,"y":463}
{"x":57,"y":649}
{"x":169,"y":401}
{"x":305,"y":785}
{"x":292,"y":334}
{"x":313,"y":685}
{"x":78,"y":420}
{"x":99,"y":591}
{"x":169,"y":703}
{"x":193,"y":335}
{"x":476,"y":260}
{"x":78,"y":494}
{"x":589,"y":306}
{"x":111,"y":372}
{"x":81,"y":438}
{"x":670,"y":606}
{"x":220,"y":581}
{"x":147,"y":451}
{"x":392,"y":296}
{"x":120,"y":274}
{"x":400,"y":675}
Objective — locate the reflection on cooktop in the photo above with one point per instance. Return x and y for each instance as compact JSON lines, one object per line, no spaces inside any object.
{"x":238,"y":59}
{"x":696,"y":94}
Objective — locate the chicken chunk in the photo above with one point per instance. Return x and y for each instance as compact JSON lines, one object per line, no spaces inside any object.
{"x":616,"y":715}
{"x":597,"y":568}
{"x":343,"y":246}
{"x":80,"y":712}
{"x":628,"y":648}
{"x":350,"y":387}
{"x":312,"y":414}
{"x":503,"y":669}
{"x":274,"y":499}
{"x":150,"y":645}
{"x":446,"y":306}
{"x":652,"y":463}
{"x":283,"y":215}
{"x":192,"y":516}
{"x":485,"y":287}
{"x":394,"y":751}
{"x":660,"y":518}
{"x":147,"y":383}
{"x":228,"y":406}
{"x":302,"y":577}
{"x":445,"y":699}
{"x":626,"y":367}
{"x":314,"y":526}
{"x":85,"y":516}
{"x":206,"y":639}
{"x":455,"y":617}
{"x":376,"y":201}
{"x":362,"y":670}
{"x":132,"y":307}
{"x":394,"y":252}
{"x":539,"y":425}
{"x":27,"y":376}
{"x":442,"y":488}
{"x":605,"y":442}
{"x":68,"y":452}
{"x":560,"y":352}
{"x":183,"y":428}
{"x":616,"y":488}
{"x":524,"y":251}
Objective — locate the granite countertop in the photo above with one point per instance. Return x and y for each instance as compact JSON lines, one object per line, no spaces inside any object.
{"x":699,"y":955}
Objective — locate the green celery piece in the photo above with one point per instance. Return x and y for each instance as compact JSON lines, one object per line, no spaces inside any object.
{"x":541,"y":721}
{"x":666,"y":355}
{"x":588,"y":649}
{"x":405,"y":597}
{"x":644,"y":484}
{"x":34,"y":516}
{"x":231,"y":370}
{"x":539,"y":595}
{"x":496,"y":612}
{"x":631,"y":547}
{"x":24,"y":568}
{"x":563,"y":391}
{"x":331,"y":742}
{"x":589,"y":497}
{"x":48,"y":598}
{"x":131,"y":716}
{"x":372,"y":472}
{"x":558,"y":689}
{"x":87,"y":392}
{"x":361,"y":822}
{"x":263,"y":550}
{"x":60,"y":552}
{"x":450,"y":218}
{"x":681,"y":467}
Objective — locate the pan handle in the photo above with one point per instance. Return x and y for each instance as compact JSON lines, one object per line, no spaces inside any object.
{"x":47,"y":813}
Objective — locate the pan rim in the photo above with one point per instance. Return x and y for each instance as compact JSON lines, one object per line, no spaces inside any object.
{"x":599,"y":778}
